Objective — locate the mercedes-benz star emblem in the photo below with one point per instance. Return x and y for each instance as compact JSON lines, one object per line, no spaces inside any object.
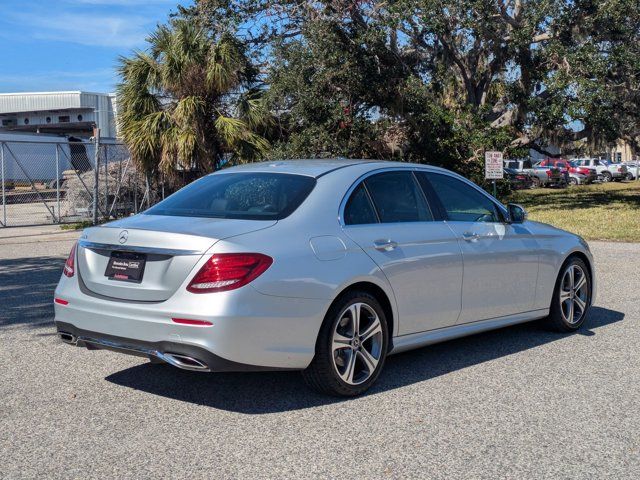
{"x":124,"y":236}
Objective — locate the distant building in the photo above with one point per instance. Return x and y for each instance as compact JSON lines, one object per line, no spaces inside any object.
{"x":69,"y":114}
{"x":622,"y":152}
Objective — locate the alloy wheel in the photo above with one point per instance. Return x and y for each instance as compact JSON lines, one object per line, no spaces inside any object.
{"x":357,"y":343}
{"x":574,"y":294}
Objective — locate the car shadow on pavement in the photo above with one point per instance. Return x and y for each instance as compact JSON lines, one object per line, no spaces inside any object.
{"x":260,"y":393}
{"x":26,"y":290}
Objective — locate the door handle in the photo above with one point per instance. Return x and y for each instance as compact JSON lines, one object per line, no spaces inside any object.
{"x":384,"y":245}
{"x":470,"y":236}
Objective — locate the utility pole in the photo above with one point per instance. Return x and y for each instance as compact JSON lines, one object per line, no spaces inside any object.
{"x":96,"y":171}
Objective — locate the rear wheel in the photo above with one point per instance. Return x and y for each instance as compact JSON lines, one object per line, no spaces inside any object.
{"x":606,"y":176}
{"x":351,"y":347}
{"x":571,"y":297}
{"x":573,"y":181}
{"x":536,"y":182}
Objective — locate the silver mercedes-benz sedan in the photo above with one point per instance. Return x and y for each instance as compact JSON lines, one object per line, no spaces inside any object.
{"x":324,"y":266}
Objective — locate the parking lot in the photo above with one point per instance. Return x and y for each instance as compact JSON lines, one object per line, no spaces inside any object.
{"x":515,"y":403}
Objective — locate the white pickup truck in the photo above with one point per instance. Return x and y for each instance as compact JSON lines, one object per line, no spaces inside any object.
{"x":608,"y":171}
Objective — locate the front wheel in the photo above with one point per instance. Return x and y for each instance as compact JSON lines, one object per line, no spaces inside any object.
{"x":571,"y":297}
{"x":607,"y":177}
{"x":573,"y":181}
{"x":351,"y":347}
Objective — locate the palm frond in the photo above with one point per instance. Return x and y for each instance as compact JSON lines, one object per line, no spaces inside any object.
{"x":170,"y":97}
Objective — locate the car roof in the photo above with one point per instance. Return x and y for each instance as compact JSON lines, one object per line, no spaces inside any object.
{"x":315,"y":167}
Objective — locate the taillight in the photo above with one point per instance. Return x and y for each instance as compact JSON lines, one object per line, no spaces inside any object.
{"x":549,"y":173}
{"x":69,"y":266}
{"x":228,"y":271}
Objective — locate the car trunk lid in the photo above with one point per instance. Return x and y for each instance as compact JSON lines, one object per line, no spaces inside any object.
{"x":170,"y":247}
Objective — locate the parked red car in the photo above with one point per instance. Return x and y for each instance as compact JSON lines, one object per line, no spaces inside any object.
{"x":566,"y":167}
{"x":591,"y":174}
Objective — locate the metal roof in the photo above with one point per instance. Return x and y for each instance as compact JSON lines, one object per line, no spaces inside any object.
{"x":38,"y":101}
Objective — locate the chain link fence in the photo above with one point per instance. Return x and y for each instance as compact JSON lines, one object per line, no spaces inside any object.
{"x":55,"y":182}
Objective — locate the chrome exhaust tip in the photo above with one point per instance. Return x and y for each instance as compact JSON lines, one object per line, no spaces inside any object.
{"x":68,"y":338}
{"x":183,"y":361}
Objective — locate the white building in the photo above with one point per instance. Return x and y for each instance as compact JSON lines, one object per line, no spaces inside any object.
{"x":62,"y":113}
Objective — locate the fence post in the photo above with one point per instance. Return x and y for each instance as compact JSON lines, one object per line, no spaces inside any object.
{"x":4,"y":194}
{"x":96,"y":170}
{"x":106,"y":179}
{"x":58,"y":182}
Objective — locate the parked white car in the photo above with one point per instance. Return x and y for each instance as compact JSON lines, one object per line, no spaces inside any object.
{"x":608,"y":171}
{"x":633,"y":170}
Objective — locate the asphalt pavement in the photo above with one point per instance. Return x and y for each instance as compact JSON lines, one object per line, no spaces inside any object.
{"x":515,"y":403}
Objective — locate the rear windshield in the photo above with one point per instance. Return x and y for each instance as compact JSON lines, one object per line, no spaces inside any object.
{"x":246,"y":195}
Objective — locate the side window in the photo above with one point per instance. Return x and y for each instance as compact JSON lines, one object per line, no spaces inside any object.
{"x":359,"y":210}
{"x":462,"y":202}
{"x":398,"y":198}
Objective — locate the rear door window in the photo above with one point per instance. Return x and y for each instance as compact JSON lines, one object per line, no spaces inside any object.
{"x":359,"y":210}
{"x":397,"y":197}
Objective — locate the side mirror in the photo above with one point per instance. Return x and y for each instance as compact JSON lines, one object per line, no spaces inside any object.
{"x":517,"y":214}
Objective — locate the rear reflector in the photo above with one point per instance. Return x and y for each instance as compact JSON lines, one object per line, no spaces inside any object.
{"x":60,"y":301}
{"x":188,"y":321}
{"x":228,"y":271}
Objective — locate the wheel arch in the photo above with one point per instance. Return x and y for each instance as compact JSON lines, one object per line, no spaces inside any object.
{"x":381,"y":295}
{"x":582,"y":256}
{"x":588,"y":262}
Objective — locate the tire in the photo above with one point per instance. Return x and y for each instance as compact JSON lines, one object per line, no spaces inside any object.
{"x":352,"y":367}
{"x":629,"y":176}
{"x":566,"y":305}
{"x":536,"y":182}
{"x":573,"y":181}
{"x":607,"y":177}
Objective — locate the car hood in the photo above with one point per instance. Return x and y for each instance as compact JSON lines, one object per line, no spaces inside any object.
{"x":545,"y":229}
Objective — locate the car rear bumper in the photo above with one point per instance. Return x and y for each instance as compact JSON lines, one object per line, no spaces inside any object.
{"x":248,"y":331}
{"x":184,"y":356}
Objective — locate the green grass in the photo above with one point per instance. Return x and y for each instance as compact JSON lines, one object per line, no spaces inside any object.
{"x":608,"y":211}
{"x":76,"y":225}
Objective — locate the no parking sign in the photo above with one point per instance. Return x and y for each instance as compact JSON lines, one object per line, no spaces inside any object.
{"x":493,"y":166}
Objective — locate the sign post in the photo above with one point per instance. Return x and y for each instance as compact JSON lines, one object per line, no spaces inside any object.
{"x":493,"y":168}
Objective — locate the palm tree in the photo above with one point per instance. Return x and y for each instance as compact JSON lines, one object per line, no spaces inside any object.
{"x":189,"y":101}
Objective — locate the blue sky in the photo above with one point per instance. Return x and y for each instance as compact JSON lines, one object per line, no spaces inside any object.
{"x":72,"y":44}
